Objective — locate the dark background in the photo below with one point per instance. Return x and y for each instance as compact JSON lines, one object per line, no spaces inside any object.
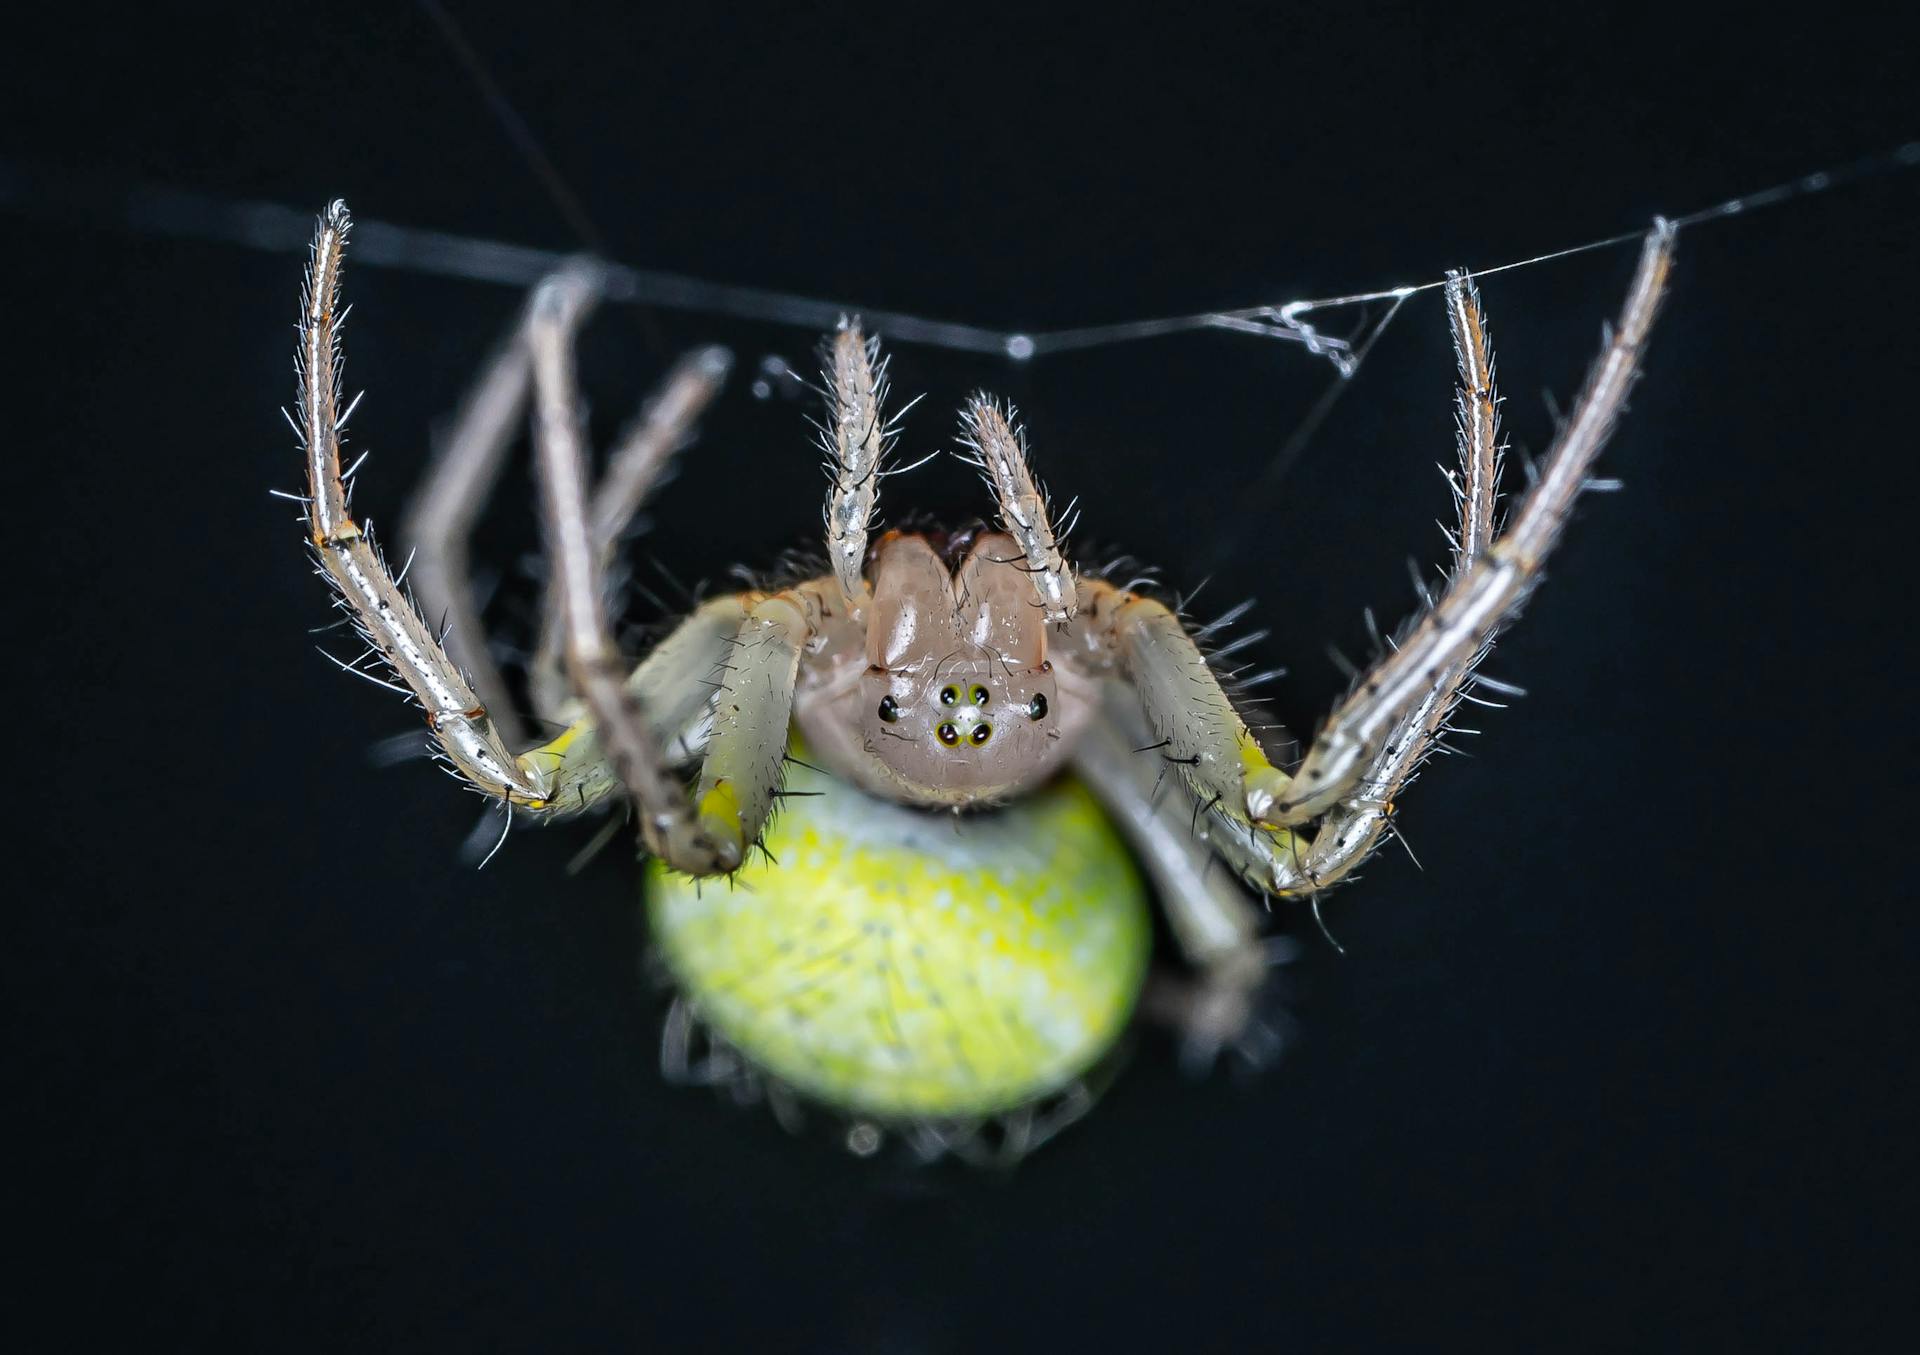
{"x":1626,"y":1064}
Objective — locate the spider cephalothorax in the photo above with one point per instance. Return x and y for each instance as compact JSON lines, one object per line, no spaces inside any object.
{"x":957,"y":701}
{"x":890,"y":970}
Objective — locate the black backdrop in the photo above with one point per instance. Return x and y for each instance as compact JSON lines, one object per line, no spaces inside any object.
{"x":1624,"y":1064}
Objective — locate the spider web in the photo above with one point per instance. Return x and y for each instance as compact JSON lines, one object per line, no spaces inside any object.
{"x":1309,"y":323}
{"x":156,"y":210}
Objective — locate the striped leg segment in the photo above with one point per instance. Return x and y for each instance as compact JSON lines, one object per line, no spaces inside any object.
{"x":439,"y":523}
{"x":1487,"y":592}
{"x":1195,"y":726}
{"x":637,"y":466}
{"x":367,"y":591}
{"x":1377,"y":740}
{"x":598,"y":674}
{"x":854,"y":440}
{"x":998,"y":447}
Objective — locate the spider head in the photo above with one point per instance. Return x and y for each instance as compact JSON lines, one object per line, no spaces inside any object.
{"x":963,"y":727}
{"x":958,"y":703}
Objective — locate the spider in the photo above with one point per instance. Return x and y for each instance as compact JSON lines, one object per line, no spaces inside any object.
{"x":982,"y":755}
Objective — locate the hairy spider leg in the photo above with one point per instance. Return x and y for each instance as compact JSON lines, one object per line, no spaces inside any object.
{"x":753,"y":706}
{"x":998,"y":448}
{"x":1453,"y":644}
{"x":1378,"y":737}
{"x":1488,"y":592}
{"x":466,"y":469}
{"x":1352,"y":828}
{"x":672,"y":687}
{"x":1212,"y":917}
{"x":1196,"y":728}
{"x":854,"y":440}
{"x":438,"y":527}
{"x":1280,"y":862}
{"x":386,"y":617}
{"x":598,"y":674}
{"x":638,"y":463}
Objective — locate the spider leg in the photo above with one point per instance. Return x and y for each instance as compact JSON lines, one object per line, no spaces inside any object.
{"x":1213,"y":919}
{"x":438,"y":527}
{"x":673,"y":689}
{"x":1352,"y":829}
{"x":854,"y":440}
{"x":1377,"y":739}
{"x":1282,"y":863}
{"x":463,"y":475}
{"x":637,"y":465}
{"x":999,"y":449}
{"x":598,"y":674}
{"x":752,"y":716}
{"x":1390,"y":717}
{"x":1196,"y":728}
{"x":386,"y":616}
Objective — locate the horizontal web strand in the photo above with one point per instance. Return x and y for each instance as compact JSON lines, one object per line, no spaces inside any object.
{"x":44,"y":192}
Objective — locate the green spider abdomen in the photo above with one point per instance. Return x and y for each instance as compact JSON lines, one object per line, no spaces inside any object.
{"x":905,"y":964}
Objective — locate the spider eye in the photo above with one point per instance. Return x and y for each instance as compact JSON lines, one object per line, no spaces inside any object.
{"x":981,"y":733}
{"x":948,"y":735}
{"x":1037,"y":708}
{"x":979,"y":696}
{"x":949,"y":696}
{"x":889,"y":709}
